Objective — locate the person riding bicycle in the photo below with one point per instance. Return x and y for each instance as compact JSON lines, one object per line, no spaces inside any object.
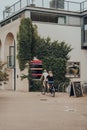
{"x":44,"y":77}
{"x":50,"y":79}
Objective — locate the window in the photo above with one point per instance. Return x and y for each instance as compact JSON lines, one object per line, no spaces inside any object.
{"x":61,"y":20}
{"x":10,"y":58}
{"x":85,"y":29}
{"x":46,"y":17}
{"x":73,"y":69}
{"x":74,"y":20}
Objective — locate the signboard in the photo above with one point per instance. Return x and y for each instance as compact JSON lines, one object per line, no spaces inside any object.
{"x":77,"y":89}
{"x":71,"y":90}
{"x":73,"y":69}
{"x":36,"y":68}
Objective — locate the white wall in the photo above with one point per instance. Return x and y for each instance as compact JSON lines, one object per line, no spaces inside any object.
{"x":21,"y":85}
{"x":72,"y":36}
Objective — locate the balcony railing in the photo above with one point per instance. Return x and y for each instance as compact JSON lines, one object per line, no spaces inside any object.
{"x":61,"y":4}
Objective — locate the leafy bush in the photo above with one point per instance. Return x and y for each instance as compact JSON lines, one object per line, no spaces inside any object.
{"x":3,"y":73}
{"x":35,"y":85}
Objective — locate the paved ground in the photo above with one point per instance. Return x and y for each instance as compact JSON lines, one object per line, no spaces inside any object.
{"x":33,"y":111}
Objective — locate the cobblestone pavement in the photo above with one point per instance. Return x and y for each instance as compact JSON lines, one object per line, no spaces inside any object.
{"x":33,"y":111}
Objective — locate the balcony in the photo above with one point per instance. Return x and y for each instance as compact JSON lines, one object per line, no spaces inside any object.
{"x":51,"y":4}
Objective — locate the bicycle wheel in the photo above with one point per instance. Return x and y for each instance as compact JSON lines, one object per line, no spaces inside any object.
{"x":43,"y":90}
{"x":53,"y":92}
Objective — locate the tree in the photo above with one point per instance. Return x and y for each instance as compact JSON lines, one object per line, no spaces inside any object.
{"x":26,"y":39}
{"x":54,"y":56}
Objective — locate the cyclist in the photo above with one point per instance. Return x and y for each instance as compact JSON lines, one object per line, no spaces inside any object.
{"x":50,"y":79}
{"x":44,"y":78}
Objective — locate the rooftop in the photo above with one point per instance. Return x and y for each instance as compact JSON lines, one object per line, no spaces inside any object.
{"x":49,"y":4}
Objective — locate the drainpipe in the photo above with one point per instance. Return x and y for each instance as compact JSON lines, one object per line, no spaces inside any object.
{"x":14,"y":66}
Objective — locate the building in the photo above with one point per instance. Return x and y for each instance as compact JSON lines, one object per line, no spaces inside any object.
{"x":67,"y":24}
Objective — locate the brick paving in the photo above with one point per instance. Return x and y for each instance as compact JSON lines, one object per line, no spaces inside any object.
{"x":33,"y":111}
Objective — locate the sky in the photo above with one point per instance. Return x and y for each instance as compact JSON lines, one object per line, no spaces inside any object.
{"x":4,"y":3}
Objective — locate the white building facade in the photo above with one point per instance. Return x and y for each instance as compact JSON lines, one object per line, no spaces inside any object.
{"x":59,"y":24}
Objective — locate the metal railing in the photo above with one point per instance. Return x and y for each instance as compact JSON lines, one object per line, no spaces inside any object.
{"x":54,"y":4}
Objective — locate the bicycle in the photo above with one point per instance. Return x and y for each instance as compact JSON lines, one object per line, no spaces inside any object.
{"x":51,"y":89}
